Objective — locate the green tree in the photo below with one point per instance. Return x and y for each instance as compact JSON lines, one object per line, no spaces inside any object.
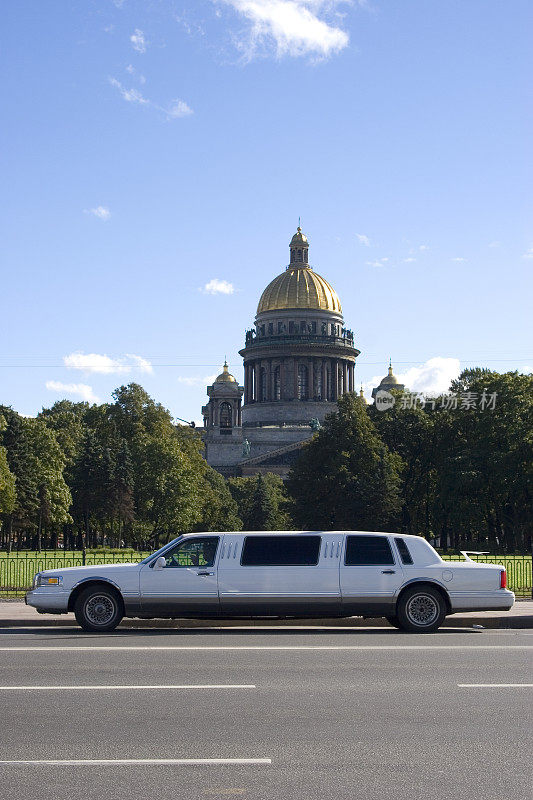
{"x":8,"y":495}
{"x":124,"y":508}
{"x":244,"y":490}
{"x":487,"y":478}
{"x":412,"y":434}
{"x":346,"y":477}
{"x":262,"y":515}
{"x":219,"y":510}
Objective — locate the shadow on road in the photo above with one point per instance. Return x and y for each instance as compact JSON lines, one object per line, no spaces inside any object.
{"x":157,"y":633}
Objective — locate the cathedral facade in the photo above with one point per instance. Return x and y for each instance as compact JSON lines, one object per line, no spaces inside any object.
{"x":299,"y":358}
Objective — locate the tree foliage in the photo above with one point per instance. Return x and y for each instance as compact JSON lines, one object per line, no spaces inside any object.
{"x":263,"y":503}
{"x":346,"y":477}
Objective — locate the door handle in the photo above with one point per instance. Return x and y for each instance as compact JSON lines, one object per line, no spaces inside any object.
{"x":388,"y":571}
{"x":205,"y":573}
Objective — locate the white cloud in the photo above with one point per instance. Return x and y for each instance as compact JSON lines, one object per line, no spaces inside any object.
{"x":74,"y":389}
{"x":431,"y":378}
{"x":102,"y":212}
{"x":142,"y":364}
{"x":138,"y":41}
{"x":379,"y":262}
{"x":528,"y":253}
{"x":175,"y":109}
{"x":459,"y":258}
{"x":494,"y":244}
{"x":423,"y":247}
{"x":293,"y":27}
{"x":178,"y":108}
{"x":363,"y":239}
{"x":130,"y":68}
{"x":409,"y":260}
{"x":130,"y":95}
{"x":216,"y":286}
{"x":104,"y":365}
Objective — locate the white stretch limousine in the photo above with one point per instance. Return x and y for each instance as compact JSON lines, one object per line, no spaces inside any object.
{"x":303,"y":574}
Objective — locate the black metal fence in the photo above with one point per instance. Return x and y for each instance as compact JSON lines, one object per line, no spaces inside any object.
{"x":17,"y":569}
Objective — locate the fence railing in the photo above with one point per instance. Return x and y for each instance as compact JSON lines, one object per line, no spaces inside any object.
{"x":17,"y":570}
{"x":519,"y":570}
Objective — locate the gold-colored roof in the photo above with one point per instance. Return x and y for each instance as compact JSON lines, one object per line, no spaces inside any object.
{"x":225,"y":376}
{"x":299,"y":287}
{"x":389,"y":379}
{"x":298,"y":238}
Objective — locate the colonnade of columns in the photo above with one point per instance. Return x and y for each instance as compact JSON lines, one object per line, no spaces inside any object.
{"x":297,"y":378}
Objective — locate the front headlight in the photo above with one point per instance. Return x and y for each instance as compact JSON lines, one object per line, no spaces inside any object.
{"x":43,"y":580}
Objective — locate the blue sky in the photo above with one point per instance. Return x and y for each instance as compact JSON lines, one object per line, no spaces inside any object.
{"x":152,"y":149}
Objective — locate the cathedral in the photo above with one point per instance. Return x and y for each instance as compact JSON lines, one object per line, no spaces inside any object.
{"x":299,"y":358}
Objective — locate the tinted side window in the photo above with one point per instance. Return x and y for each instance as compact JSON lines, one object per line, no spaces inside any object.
{"x":403,"y":550}
{"x":364,"y":551}
{"x":280,"y":551}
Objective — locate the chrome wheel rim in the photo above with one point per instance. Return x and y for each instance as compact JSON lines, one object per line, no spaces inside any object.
{"x":100,"y":609}
{"x":422,"y":609}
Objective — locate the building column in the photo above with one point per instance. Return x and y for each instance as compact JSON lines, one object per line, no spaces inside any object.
{"x":256,"y":370}
{"x":344,"y":377}
{"x":311,"y":379}
{"x":324,"y":381}
{"x":295,"y":378}
{"x":267,"y":379}
{"x":334,"y":380}
{"x":246,"y":383}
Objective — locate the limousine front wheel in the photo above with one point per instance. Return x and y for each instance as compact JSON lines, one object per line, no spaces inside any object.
{"x":98,"y":609}
{"x":421,"y":609}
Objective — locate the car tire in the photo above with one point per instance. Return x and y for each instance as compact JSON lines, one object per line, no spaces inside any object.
{"x":394,"y":621}
{"x":421,"y":609}
{"x":98,"y":609}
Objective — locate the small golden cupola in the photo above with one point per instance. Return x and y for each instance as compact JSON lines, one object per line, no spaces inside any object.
{"x":299,"y":248}
{"x":299,"y":287}
{"x":225,"y":376}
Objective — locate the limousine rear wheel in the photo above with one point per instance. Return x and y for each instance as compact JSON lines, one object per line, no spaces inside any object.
{"x":98,"y":609}
{"x":421,"y":609}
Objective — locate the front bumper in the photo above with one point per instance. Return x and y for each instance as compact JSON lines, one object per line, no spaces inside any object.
{"x":48,"y":602}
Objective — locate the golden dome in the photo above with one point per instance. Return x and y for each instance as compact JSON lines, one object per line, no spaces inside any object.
{"x":298,"y":238}
{"x":299,"y":287}
{"x":225,"y":376}
{"x":389,"y":379}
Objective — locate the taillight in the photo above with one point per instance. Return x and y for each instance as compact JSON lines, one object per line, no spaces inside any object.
{"x":503,"y":579}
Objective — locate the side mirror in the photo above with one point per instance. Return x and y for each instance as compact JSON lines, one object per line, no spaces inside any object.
{"x":160,"y":562}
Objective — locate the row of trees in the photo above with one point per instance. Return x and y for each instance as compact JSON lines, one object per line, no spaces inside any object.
{"x":122,"y":474}
{"x":460,"y":476}
{"x":114,"y":475}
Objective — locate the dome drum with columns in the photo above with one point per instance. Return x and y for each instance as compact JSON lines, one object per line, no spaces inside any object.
{"x":298,"y":360}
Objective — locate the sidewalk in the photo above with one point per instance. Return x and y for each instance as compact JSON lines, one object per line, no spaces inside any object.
{"x":15,"y":614}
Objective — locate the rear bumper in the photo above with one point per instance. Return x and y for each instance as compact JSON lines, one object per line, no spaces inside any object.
{"x":47,"y":602}
{"x":500,"y":600}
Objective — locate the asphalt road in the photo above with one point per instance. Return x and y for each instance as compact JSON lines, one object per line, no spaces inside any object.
{"x":367,"y":713}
